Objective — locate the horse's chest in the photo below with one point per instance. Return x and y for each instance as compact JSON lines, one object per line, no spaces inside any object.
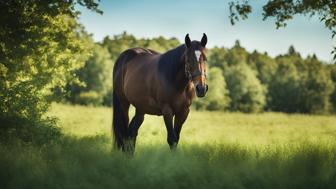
{"x":147,"y":105}
{"x":181,"y":103}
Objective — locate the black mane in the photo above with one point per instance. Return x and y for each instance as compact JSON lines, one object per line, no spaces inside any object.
{"x":171,"y":62}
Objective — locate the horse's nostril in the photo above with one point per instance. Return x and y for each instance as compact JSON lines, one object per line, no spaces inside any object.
{"x":198,"y":87}
{"x":206,"y":88}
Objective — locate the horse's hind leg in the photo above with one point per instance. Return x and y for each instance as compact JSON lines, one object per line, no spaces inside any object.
{"x":133,"y":128}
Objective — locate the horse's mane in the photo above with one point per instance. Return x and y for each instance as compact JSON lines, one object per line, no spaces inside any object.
{"x":171,"y":62}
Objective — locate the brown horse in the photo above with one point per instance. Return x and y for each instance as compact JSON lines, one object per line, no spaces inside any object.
{"x":157,"y":84}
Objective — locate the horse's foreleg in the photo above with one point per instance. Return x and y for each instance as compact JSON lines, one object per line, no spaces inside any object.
{"x":134,"y":126}
{"x":168,"y":119}
{"x":178,"y":123}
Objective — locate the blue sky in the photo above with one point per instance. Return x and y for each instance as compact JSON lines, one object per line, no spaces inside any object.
{"x":175,"y":18}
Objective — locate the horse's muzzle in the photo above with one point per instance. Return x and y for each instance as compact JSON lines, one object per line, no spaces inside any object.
{"x":201,"y":90}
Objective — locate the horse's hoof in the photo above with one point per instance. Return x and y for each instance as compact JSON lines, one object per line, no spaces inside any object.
{"x":173,"y":146}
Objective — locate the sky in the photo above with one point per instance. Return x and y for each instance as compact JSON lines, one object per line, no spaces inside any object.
{"x":176,"y":18}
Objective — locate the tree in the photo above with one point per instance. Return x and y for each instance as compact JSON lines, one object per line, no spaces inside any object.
{"x":217,"y":97}
{"x":264,"y":65}
{"x":118,"y":43}
{"x":316,"y":87}
{"x":41,"y":45}
{"x":284,"y":88}
{"x":300,"y":85}
{"x":332,"y":69}
{"x":266,"y":68}
{"x":216,"y":58}
{"x":95,"y":78}
{"x":237,"y":54}
{"x":247,"y":94}
{"x":285,"y":10}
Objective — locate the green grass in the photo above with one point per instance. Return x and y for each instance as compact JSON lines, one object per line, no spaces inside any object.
{"x":216,"y":150}
{"x":207,"y":127}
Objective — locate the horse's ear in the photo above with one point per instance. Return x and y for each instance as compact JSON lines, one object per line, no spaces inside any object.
{"x":204,"y":40}
{"x":187,"y":41}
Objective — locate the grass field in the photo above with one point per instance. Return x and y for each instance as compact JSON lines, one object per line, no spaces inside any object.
{"x":216,"y":150}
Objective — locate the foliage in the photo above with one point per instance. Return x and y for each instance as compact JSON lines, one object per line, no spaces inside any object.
{"x":118,"y":43}
{"x":264,"y":65}
{"x":237,"y":54}
{"x":217,"y":58}
{"x":265,"y":68}
{"x":95,"y":78}
{"x":332,"y":69}
{"x":41,"y":45}
{"x":300,"y":85}
{"x":317,"y":87}
{"x":284,"y":89}
{"x":247,"y":94}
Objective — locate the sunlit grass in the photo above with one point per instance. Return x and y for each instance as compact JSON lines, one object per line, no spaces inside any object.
{"x":217,"y":150}
{"x":206,"y":127}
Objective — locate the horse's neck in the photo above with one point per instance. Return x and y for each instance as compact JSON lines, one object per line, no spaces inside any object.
{"x":182,"y":84}
{"x":172,"y":66}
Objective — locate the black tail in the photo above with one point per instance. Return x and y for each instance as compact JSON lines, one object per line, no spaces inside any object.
{"x":119,"y":123}
{"x":120,"y":116}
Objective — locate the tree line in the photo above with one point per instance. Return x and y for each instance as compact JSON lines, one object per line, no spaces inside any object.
{"x":238,"y":80}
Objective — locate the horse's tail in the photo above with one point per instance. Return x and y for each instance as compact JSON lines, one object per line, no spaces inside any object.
{"x":120,"y":116}
{"x":119,"y":123}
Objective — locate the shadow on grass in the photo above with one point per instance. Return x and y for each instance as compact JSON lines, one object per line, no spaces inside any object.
{"x":90,"y":163}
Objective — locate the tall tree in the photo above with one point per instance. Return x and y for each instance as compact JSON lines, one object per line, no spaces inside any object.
{"x":41,"y":45}
{"x":332,"y":69}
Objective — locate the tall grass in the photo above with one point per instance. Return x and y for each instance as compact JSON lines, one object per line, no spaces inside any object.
{"x":217,"y":150}
{"x":206,"y":127}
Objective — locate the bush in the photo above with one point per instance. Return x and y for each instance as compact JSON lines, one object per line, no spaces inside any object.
{"x":34,"y":131}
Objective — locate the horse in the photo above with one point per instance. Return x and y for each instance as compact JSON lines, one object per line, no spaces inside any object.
{"x":157,"y":84}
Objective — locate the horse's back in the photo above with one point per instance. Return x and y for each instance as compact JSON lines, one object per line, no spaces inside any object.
{"x":130,"y":54}
{"x":125,"y":62}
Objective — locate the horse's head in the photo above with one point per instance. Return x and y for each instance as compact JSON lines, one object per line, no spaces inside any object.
{"x":195,"y":67}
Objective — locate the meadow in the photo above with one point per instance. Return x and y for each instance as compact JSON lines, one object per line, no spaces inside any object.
{"x":216,"y":150}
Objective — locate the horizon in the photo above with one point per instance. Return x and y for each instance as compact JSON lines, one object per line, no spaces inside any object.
{"x":254,"y":34}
